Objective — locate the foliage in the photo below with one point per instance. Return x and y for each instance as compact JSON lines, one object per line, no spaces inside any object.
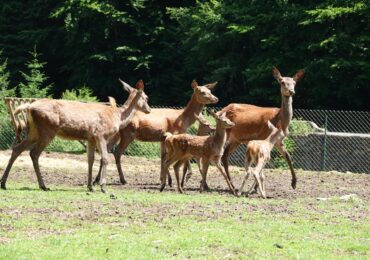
{"x":169,"y":43}
{"x":35,"y":81}
{"x":81,"y":94}
{"x":5,"y":91}
{"x":65,"y":146}
{"x":300,"y":127}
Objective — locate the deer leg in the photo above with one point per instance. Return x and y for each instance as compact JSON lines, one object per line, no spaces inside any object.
{"x":257,"y":176}
{"x":263,"y":178}
{"x":176,"y":167}
{"x":228,"y":181}
{"x":102,"y":147}
{"x":165,"y":171}
{"x":35,"y":155}
{"x":229,"y":149}
{"x":16,"y":151}
{"x":163,"y":156}
{"x":90,"y":161}
{"x":281,"y":148}
{"x":203,"y":170}
{"x":248,"y":170}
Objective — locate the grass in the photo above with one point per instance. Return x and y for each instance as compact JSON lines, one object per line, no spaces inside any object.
{"x":68,"y":222}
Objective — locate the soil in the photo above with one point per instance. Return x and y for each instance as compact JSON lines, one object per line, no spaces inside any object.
{"x":143,"y":174}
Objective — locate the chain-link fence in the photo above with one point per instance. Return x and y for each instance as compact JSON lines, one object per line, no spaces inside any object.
{"x":319,"y":140}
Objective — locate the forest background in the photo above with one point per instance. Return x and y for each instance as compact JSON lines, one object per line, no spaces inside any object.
{"x":58,"y":46}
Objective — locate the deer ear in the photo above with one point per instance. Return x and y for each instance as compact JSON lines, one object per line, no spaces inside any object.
{"x":276,"y":73}
{"x":298,"y":76}
{"x":125,"y":86}
{"x":112,"y":102}
{"x":212,"y":113}
{"x":211,"y":85}
{"x":140,"y":85}
{"x":194,"y":83}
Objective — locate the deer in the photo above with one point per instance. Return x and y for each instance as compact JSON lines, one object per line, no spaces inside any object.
{"x":96,"y":123}
{"x":251,"y":121}
{"x":258,"y":152}
{"x":204,"y":129}
{"x":181,"y":148}
{"x":152,"y":127}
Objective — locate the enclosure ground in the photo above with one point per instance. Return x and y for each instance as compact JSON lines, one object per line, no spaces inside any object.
{"x":137,"y":221}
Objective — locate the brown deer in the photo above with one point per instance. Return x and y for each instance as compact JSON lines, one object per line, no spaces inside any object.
{"x":251,"y":121}
{"x":152,"y":127}
{"x":183,"y":147}
{"x":259,"y":152}
{"x":94,"y":122}
{"x":204,"y":129}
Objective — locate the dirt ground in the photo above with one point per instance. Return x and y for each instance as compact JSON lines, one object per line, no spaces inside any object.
{"x":143,"y":174}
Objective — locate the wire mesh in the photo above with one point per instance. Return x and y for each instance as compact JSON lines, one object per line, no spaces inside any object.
{"x":319,"y":140}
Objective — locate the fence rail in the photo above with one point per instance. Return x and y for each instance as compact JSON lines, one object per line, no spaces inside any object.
{"x":319,"y":140}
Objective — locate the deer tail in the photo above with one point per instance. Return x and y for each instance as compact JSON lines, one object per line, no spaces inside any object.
{"x":21,"y":108}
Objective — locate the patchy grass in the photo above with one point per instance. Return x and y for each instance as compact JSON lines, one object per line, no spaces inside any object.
{"x":136,"y":221}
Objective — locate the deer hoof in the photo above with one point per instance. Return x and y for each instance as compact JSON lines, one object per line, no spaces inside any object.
{"x":90,"y":188}
{"x":294,"y":184}
{"x":103,"y":188}
{"x":123,"y":181}
{"x":162,"y":187}
{"x":44,"y":188}
{"x":96,"y":182}
{"x":3,"y":186}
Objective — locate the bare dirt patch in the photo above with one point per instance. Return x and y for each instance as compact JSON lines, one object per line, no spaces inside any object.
{"x":143,"y":174}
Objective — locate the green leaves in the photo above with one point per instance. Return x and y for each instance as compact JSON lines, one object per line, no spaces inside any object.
{"x":34,"y":86}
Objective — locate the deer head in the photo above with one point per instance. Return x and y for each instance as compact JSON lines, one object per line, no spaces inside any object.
{"x":142,"y":103}
{"x":222,"y":119}
{"x":287,"y":84}
{"x":203,"y":93}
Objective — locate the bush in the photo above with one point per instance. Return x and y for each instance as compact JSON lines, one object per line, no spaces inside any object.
{"x":83,"y":93}
{"x":65,"y":146}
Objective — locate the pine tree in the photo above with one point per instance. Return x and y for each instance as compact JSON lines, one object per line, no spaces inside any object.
{"x":5,"y":91}
{"x":35,"y":81}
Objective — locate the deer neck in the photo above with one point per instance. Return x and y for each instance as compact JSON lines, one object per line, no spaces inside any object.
{"x":286,"y":112}
{"x":220,"y":135}
{"x":272,"y":139}
{"x":193,"y":107}
{"x":128,"y":110}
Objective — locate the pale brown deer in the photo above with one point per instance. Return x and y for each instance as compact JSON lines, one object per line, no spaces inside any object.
{"x":259,"y":153}
{"x":94,"y":122}
{"x":251,"y":121}
{"x":183,"y":147}
{"x":152,"y":127}
{"x":204,"y":129}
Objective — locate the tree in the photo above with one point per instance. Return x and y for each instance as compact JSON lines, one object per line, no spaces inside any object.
{"x":5,"y":91}
{"x":35,"y":86}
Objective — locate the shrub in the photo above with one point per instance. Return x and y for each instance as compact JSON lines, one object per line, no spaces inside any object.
{"x":83,"y":93}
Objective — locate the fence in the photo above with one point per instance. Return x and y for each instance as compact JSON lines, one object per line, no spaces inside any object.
{"x":319,"y":140}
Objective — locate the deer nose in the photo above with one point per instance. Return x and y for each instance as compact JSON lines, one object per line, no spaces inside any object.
{"x":215,"y":99}
{"x":291,"y":92}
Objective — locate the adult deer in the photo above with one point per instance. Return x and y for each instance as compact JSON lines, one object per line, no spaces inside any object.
{"x":94,"y":122}
{"x":251,"y":121}
{"x":152,"y":127}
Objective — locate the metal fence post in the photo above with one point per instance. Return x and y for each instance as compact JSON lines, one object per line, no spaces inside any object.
{"x":324,"y":147}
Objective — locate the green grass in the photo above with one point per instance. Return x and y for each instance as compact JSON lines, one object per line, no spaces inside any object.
{"x":71,"y":223}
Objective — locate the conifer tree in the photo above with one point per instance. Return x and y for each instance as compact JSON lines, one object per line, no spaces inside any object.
{"x":34,"y":87}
